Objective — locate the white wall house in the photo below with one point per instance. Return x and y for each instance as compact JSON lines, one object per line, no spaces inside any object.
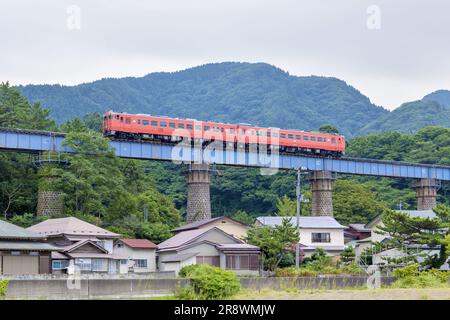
{"x":315,"y":232}
{"x":140,"y":254}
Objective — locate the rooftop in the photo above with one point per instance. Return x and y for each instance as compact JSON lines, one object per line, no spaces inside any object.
{"x":179,"y":257}
{"x":70,"y":226}
{"x":305,"y":222}
{"x":197,"y":224}
{"x":139,"y":243}
{"x":11,"y":231}
{"x":359,"y":227}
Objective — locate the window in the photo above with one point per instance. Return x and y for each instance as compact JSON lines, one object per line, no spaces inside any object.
{"x":319,"y":139}
{"x":325,"y":139}
{"x":290,"y":136}
{"x":197,"y":127}
{"x":139,"y":121}
{"x":259,"y":133}
{"x":117,"y":116}
{"x":60,"y":264}
{"x":145,"y":122}
{"x":163,"y":124}
{"x":242,"y":262}
{"x":283,"y":135}
{"x":172,"y":125}
{"x":123,"y":261}
{"x":206,"y":128}
{"x":333,"y":140}
{"x":231,"y":130}
{"x":83,"y":264}
{"x":140,"y":263}
{"x":215,"y":129}
{"x":320,"y":237}
{"x":209,"y":260}
{"x":180,"y":125}
{"x":306,"y":138}
{"x":222,"y":129}
{"x":313,"y":138}
{"x":121,"y":119}
{"x":268,"y":134}
{"x":154,"y":123}
{"x":242,"y":131}
{"x":275,"y":135}
{"x":127,"y":120}
{"x":297,"y":136}
{"x":189,"y":126}
{"x":99,"y":265}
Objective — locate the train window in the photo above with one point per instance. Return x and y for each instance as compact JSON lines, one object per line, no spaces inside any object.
{"x":297,"y":136}
{"x":215,"y":129}
{"x":197,"y":127}
{"x":268,"y":134}
{"x":231,"y":130}
{"x":163,"y":124}
{"x":283,"y":135}
{"x":206,"y":128}
{"x":121,"y":119}
{"x":145,"y":122}
{"x":110,"y":117}
{"x":275,"y":135}
{"x":154,"y":123}
{"x":139,"y":121}
{"x":290,"y":136}
{"x":325,"y":139}
{"x":319,"y":139}
{"x":259,"y":133}
{"x":171,"y":124}
{"x":180,"y":125}
{"x":189,"y":126}
{"x":222,"y":129}
{"x":305,"y":138}
{"x":313,"y":138}
{"x":333,"y":140}
{"x":117,"y":116}
{"x":127,"y":120}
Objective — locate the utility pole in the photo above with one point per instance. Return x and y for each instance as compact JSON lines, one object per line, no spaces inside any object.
{"x":299,"y":201}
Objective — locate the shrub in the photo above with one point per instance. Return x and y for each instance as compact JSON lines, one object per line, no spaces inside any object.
{"x":209,"y":283}
{"x":3,"y":287}
{"x":411,"y":277}
{"x":294,"y":272}
{"x":312,"y":269}
{"x":187,"y":270}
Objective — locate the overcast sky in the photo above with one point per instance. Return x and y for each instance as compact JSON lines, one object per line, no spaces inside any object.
{"x":393,"y":52}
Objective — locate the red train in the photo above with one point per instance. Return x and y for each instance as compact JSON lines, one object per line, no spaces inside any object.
{"x":174,"y":130}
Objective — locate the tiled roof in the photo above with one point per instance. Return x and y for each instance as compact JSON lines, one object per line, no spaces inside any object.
{"x":419,"y":213}
{"x":181,"y":238}
{"x":70,"y":226}
{"x":11,"y":231}
{"x":359,"y":227}
{"x":26,"y":245}
{"x":197,"y":224}
{"x":139,"y":243}
{"x":305,"y":222}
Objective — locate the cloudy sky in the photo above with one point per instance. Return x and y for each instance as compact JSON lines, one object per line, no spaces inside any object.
{"x":392,"y":51}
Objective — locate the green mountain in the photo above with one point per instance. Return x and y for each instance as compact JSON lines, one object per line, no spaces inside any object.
{"x":255,"y":93}
{"x":441,"y":96}
{"x":410,"y":117}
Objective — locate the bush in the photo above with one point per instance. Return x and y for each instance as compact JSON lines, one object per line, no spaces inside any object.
{"x":313,"y":269}
{"x":411,"y":277}
{"x":3,"y":287}
{"x":208,"y":283}
{"x":187,"y":270}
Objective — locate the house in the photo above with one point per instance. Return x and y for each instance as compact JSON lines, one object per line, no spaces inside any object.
{"x":208,"y":246}
{"x":315,"y":232}
{"x":22,"y":251}
{"x":140,"y":254}
{"x":80,"y":246}
{"x":356,"y":231}
{"x":236,"y":228}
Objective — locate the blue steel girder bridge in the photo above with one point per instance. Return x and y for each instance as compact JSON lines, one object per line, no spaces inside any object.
{"x":322,"y":169}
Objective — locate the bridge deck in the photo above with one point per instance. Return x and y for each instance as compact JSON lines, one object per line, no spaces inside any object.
{"x":36,"y":141}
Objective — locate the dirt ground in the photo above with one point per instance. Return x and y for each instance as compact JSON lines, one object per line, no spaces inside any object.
{"x":362,"y":294}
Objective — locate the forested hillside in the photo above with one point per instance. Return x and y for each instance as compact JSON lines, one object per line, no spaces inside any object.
{"x":259,"y":93}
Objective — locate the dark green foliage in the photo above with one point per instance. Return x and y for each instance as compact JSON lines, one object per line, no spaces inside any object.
{"x":209,"y":283}
{"x":243,"y":217}
{"x":275,"y":242}
{"x":412,"y":277}
{"x":347,"y":256}
{"x":230,"y":92}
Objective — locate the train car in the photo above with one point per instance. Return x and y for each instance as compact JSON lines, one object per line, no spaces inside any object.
{"x":173,"y":130}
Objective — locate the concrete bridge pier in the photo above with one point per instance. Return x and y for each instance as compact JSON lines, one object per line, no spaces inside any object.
{"x":198,"y":195}
{"x":426,"y":191}
{"x":322,"y":192}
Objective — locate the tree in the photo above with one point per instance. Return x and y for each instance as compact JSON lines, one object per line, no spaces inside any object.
{"x":347,"y":256}
{"x":275,"y":242}
{"x":243,"y":217}
{"x":406,"y":232}
{"x":286,"y":206}
{"x":328,"y":128}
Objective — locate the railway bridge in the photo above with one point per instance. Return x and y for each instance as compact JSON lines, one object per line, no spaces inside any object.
{"x":322,"y":170}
